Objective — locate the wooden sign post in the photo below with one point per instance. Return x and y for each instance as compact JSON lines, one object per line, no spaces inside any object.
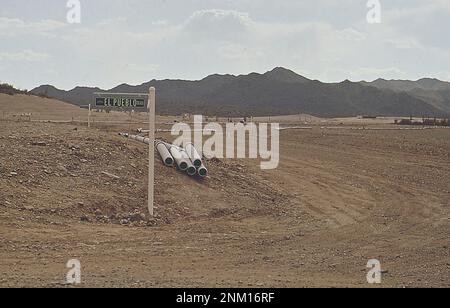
{"x":130,"y":102}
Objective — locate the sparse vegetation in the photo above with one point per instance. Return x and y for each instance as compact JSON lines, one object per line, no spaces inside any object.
{"x":6,"y":88}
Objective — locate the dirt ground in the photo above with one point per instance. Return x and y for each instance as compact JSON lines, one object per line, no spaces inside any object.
{"x":342,"y":195}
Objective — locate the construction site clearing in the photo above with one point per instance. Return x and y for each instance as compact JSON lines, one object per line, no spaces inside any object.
{"x":346,"y":191}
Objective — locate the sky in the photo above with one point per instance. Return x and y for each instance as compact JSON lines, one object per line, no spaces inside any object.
{"x":135,"y":41}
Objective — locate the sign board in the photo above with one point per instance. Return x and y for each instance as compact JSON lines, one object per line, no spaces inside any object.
{"x":120,"y":101}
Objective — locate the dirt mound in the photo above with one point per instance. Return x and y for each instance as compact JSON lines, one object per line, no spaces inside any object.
{"x":93,"y":176}
{"x":40,"y":108}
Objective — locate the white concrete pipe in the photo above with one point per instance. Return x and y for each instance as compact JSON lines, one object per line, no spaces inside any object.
{"x":169,"y":145}
{"x":165,"y":154}
{"x":181,"y":161}
{"x":193,"y":155}
{"x":191,"y":170}
{"x":137,"y":138}
{"x":171,"y":154}
{"x":202,"y":171}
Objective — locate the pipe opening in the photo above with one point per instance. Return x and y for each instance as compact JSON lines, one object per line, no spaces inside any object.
{"x":183,"y":166}
{"x":197,"y":163}
{"x":191,"y":171}
{"x":202,"y":172}
{"x":169,"y":161}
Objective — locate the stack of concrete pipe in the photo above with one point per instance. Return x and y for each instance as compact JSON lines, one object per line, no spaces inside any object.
{"x":186,"y":159}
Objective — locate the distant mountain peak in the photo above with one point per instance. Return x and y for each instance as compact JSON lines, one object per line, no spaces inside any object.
{"x":47,"y":86}
{"x":217,"y":76}
{"x":285,"y":75}
{"x":281,"y":69}
{"x":430,"y":79}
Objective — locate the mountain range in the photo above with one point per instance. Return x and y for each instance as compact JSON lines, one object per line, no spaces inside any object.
{"x":281,"y":92}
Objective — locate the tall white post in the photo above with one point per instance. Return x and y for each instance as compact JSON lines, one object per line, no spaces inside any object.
{"x":151,"y":149}
{"x":129,"y":124}
{"x":89,"y":116}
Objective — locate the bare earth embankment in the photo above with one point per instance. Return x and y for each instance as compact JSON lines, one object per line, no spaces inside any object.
{"x":339,"y":198}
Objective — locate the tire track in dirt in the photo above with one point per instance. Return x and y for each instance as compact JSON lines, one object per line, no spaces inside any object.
{"x":351,"y":190}
{"x":324,"y":194}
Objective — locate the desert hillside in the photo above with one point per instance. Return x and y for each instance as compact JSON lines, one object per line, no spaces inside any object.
{"x":342,"y":195}
{"x":41,"y":108}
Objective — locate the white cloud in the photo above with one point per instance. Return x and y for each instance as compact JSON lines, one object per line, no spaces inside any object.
{"x":143,"y":68}
{"x":426,"y":22}
{"x":331,"y":40}
{"x":217,"y":24}
{"x":160,"y":23}
{"x":219,"y":17}
{"x":230,"y":51}
{"x":10,"y":27}
{"x":441,"y":75}
{"x":25,"y":55}
{"x":405,"y":43}
{"x":350,"y":34}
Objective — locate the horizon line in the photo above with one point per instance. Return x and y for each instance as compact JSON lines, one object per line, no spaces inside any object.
{"x":233,"y":75}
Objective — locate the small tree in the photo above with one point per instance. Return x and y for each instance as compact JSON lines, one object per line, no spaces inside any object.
{"x":7,"y":89}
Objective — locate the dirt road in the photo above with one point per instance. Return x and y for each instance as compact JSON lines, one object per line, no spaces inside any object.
{"x":338,"y":199}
